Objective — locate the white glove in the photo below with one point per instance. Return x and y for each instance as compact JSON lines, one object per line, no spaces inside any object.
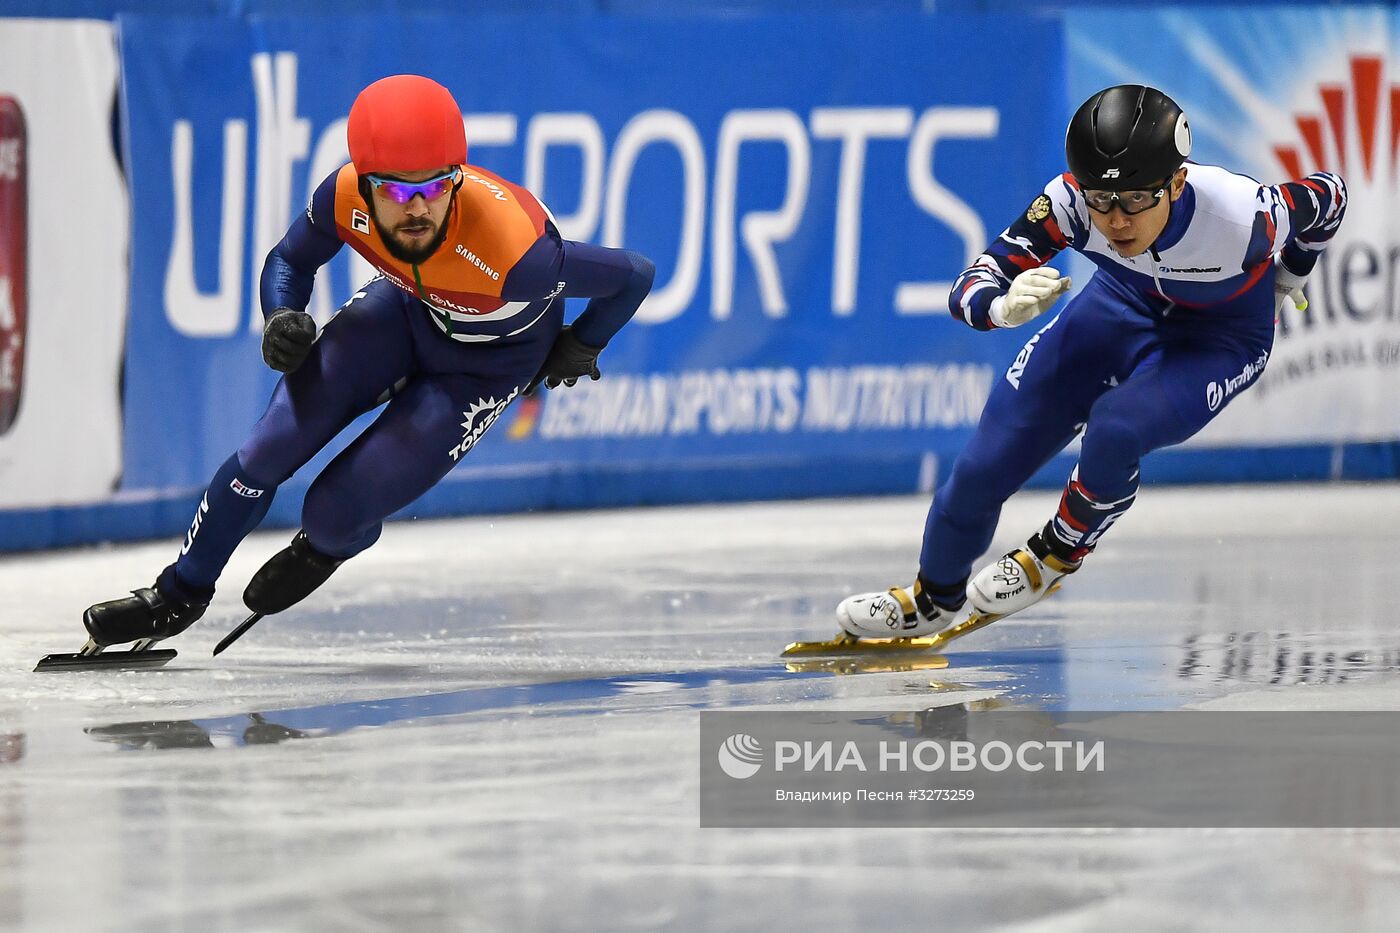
{"x":1288,"y":290}
{"x":1031,"y":295}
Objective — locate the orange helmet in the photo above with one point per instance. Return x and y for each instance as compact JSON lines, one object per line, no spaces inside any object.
{"x":405,"y":123}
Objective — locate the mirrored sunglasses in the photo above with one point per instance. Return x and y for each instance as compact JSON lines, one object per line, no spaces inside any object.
{"x":404,"y":191}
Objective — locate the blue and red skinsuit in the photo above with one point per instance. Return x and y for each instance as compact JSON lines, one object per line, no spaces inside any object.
{"x":1143,"y":357}
{"x":450,"y":342}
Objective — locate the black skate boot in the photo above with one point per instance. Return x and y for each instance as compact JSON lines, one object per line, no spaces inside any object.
{"x":147,"y":615}
{"x":291,"y":575}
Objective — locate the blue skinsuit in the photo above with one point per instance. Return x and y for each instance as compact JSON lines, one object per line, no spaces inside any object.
{"x":1143,"y":357}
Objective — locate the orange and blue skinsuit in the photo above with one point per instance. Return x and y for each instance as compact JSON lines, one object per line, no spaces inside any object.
{"x":450,"y":342}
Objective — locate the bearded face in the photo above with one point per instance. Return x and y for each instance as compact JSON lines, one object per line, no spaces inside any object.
{"x":412,"y":231}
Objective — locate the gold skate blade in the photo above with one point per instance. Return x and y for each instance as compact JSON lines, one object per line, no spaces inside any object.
{"x":971,"y":624}
{"x":109,"y":660}
{"x":847,"y":645}
{"x":869,"y":663}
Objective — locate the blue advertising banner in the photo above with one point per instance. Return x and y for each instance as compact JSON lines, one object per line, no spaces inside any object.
{"x":806,"y":211}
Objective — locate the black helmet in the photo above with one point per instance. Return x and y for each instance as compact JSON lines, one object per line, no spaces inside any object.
{"x":1126,"y":137}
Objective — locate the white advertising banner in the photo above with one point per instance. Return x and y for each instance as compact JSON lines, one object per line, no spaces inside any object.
{"x":64,"y":233}
{"x":1277,"y":94}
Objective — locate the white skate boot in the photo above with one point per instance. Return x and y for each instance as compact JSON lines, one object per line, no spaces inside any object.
{"x":895,"y":613}
{"x":1015,"y":581}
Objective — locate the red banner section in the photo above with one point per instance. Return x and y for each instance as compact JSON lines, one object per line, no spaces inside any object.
{"x":14,"y":242}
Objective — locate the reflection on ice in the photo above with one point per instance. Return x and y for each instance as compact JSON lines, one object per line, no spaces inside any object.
{"x":1283,"y":658}
{"x":180,"y":733}
{"x":677,"y":690}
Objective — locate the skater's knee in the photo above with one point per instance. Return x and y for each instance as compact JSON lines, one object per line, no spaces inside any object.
{"x":334,"y":525}
{"x":282,"y":442}
{"x":265,"y":464}
{"x":341,"y":542}
{"x":326,"y":516}
{"x":1116,"y":434}
{"x":973,"y":489}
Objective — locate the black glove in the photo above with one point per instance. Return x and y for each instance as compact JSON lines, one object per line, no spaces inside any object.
{"x":568,"y":360}
{"x":287,"y":338}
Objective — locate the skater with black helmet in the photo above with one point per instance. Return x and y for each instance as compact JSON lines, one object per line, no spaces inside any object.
{"x":1193,"y":262}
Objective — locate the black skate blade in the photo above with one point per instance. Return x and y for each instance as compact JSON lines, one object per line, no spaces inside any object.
{"x":237,"y":633}
{"x":109,"y":660}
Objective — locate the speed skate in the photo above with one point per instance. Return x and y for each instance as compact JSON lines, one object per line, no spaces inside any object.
{"x":846,"y":645}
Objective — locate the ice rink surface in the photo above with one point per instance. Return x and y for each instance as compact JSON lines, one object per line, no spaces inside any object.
{"x":491,"y":723}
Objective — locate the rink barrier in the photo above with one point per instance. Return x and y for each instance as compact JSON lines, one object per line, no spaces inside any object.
{"x":478,"y":493}
{"x":108,"y":9}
